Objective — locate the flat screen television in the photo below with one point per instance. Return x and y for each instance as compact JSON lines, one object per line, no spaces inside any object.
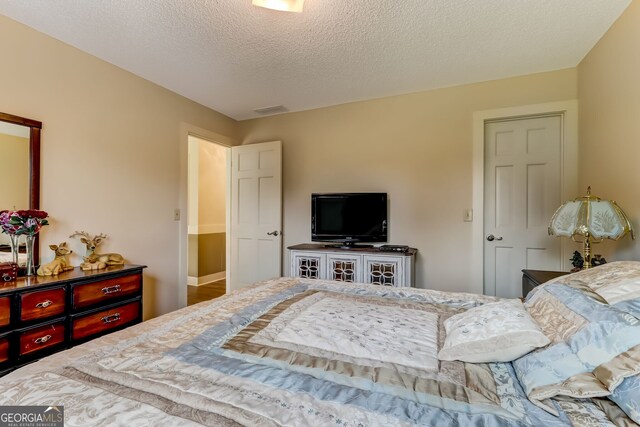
{"x":349,"y":218}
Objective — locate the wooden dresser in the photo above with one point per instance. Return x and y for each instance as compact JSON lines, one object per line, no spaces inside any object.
{"x":42,"y":315}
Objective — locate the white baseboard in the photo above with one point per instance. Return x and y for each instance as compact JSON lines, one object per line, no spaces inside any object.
{"x":197,"y":281}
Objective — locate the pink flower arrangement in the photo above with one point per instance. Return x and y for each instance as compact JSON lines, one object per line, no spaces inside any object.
{"x":20,"y":222}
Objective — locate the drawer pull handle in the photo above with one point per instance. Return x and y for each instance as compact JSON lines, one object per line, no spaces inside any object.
{"x":42,"y":340}
{"x":44,"y":304}
{"x":111,"y":318}
{"x":111,"y":289}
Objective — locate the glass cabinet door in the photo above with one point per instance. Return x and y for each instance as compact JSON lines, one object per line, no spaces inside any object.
{"x":344,"y":268}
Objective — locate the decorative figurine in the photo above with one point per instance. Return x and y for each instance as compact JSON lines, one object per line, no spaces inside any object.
{"x":92,"y":260}
{"x":60,"y":263}
{"x":597,"y":260}
{"x":577,"y":262}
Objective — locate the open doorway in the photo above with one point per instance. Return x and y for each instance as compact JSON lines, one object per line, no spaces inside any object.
{"x":207,"y":219}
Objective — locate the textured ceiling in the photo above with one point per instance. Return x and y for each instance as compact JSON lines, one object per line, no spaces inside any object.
{"x":234,"y":57}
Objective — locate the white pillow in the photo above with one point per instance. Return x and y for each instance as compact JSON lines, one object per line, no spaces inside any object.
{"x":496,"y":332}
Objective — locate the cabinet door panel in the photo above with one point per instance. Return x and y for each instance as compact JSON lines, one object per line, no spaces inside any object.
{"x":307,"y":266}
{"x":383,"y":271}
{"x":344,"y":268}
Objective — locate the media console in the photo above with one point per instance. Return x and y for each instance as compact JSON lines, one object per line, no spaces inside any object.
{"x":365,"y":265}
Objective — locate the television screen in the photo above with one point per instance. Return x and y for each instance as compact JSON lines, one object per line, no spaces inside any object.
{"x":349,"y":217}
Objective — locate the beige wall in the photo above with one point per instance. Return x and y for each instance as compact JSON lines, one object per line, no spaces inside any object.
{"x":207,"y":182}
{"x":207,"y":256}
{"x":110,"y":151}
{"x":609,"y":95}
{"x":14,"y":172}
{"x":14,"y":175}
{"x":212,"y":188}
{"x":416,"y":147}
{"x":211,"y":255}
{"x":207,"y":209}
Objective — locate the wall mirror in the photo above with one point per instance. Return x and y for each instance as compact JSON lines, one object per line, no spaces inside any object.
{"x":19,"y":171}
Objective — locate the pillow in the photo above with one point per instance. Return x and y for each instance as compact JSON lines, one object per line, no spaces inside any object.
{"x":593,"y":351}
{"x":621,"y":375}
{"x":615,"y":282}
{"x":496,"y":332}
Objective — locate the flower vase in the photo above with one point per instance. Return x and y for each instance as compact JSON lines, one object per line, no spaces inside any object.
{"x":15,"y":245}
{"x":30,"y":268}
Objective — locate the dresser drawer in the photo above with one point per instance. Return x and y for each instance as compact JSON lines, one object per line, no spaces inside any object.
{"x":5,"y":311}
{"x":104,"y":320}
{"x":40,"y":338}
{"x":4,"y":349}
{"x":89,"y":294}
{"x":42,"y":304}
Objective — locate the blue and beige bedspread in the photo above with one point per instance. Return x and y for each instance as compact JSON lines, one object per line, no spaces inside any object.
{"x":286,"y":352}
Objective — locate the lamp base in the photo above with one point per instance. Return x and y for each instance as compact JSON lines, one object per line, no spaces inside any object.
{"x":587,"y":253}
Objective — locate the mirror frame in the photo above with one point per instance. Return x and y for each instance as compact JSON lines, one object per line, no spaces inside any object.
{"x":34,"y":165}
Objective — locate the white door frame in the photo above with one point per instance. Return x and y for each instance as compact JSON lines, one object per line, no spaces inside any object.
{"x":568,"y":110}
{"x":187,"y":129}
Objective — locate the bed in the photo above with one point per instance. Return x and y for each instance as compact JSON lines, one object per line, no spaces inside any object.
{"x":8,"y":257}
{"x":299,"y":352}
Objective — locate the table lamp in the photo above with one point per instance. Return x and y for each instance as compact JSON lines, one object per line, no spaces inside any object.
{"x":590,"y":219}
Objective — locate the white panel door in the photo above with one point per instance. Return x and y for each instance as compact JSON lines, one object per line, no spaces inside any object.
{"x":256,"y":213}
{"x":522,"y":191}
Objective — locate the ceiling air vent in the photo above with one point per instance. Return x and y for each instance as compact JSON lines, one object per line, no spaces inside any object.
{"x":276,"y":109}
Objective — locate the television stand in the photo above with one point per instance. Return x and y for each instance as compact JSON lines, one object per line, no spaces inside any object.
{"x":353,"y":264}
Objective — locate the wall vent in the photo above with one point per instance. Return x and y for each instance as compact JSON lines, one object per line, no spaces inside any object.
{"x":276,"y":109}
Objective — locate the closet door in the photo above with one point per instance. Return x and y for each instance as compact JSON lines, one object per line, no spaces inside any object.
{"x":522,"y":191}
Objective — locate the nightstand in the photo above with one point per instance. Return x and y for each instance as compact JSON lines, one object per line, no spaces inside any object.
{"x":533,"y":278}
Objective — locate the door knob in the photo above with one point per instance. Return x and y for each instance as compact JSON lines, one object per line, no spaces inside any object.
{"x":491,"y":238}
{"x":273,"y":233}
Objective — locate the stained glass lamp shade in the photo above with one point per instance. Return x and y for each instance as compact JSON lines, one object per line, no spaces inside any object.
{"x":590,"y":219}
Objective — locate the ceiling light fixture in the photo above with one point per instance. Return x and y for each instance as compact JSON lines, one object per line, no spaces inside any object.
{"x":283,"y":5}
